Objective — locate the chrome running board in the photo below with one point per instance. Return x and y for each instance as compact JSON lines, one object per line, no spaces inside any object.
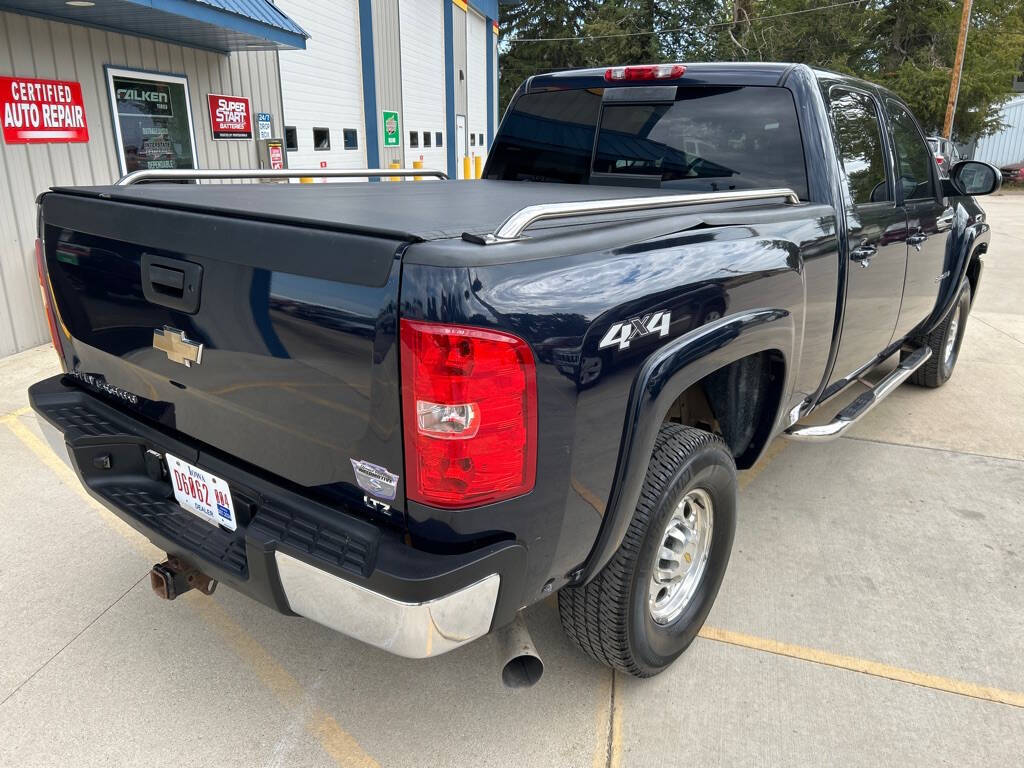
{"x":856,"y":410}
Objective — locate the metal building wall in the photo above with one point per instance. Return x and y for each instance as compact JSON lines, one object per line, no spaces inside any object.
{"x":387,"y":58}
{"x":460,"y":82}
{"x":31,"y":47}
{"x":1007,"y":146}
{"x":322,"y":86}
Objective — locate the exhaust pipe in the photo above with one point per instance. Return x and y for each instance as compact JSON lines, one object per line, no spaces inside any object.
{"x":521,"y":666}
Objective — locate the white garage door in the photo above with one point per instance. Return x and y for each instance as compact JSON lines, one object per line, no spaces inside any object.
{"x":322,"y":86}
{"x":476,"y":66}
{"x":421,"y":28}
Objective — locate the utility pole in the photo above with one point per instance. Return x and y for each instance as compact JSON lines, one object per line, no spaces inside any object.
{"x":958,"y":67}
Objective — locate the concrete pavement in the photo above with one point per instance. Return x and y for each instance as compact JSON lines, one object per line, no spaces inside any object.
{"x":872,"y":614}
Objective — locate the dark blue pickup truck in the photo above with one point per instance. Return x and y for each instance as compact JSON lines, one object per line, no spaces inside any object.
{"x":409,"y":410}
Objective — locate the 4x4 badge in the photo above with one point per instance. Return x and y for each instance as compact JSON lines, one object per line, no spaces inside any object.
{"x":636,"y":327}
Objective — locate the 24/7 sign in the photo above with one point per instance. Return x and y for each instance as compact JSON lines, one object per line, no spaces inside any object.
{"x":230,"y":116}
{"x":42,"y":110}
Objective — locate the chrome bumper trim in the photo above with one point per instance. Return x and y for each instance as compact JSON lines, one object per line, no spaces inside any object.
{"x":413,"y":630}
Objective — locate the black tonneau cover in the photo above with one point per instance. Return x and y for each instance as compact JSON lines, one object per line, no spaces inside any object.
{"x":412,"y":211}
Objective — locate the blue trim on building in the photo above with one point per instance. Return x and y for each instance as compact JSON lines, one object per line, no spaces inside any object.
{"x":236,"y":22}
{"x":369,"y":82}
{"x":215,"y":25}
{"x":449,"y":86}
{"x":486,"y":8}
{"x":491,"y":63}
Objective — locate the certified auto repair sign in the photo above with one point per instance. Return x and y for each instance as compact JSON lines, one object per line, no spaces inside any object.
{"x":42,"y":110}
{"x":230,"y":116}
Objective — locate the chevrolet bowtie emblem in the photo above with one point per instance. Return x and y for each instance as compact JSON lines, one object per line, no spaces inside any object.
{"x":177,"y":346}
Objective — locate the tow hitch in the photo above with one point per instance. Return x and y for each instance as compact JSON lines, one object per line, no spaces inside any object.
{"x":173,"y":577}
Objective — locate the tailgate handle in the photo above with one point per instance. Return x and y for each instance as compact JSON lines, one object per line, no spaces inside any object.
{"x":172,"y":283}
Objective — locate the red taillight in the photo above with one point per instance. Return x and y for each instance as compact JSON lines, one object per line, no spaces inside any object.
{"x":938,"y":159}
{"x":469,"y":403}
{"x":44,"y":289}
{"x":645,"y":72}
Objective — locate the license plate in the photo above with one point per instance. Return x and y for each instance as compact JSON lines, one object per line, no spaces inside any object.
{"x":201,"y":493}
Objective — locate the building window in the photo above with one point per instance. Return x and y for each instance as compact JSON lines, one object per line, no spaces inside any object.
{"x":438,"y":140}
{"x":480,"y":139}
{"x":426,"y":138}
{"x":351,"y":138}
{"x":291,"y":138}
{"x":472,"y":139}
{"x":153,"y":121}
{"x":321,"y":139}
{"x":414,"y":140}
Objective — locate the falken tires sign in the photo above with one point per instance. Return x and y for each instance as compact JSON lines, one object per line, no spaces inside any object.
{"x":38,"y":111}
{"x":230,"y":116}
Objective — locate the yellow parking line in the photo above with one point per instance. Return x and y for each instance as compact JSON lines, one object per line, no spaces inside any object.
{"x":341,"y":746}
{"x":602,"y":724}
{"x":865,"y":666}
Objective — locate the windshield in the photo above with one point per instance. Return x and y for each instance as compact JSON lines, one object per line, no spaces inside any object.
{"x":706,"y":139}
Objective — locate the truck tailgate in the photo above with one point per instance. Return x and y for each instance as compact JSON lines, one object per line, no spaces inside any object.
{"x":297,"y":372}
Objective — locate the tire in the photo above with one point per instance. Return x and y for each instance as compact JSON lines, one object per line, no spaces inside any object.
{"x":940,"y":365}
{"x":611,"y":618}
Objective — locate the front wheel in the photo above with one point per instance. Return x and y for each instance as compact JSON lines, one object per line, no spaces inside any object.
{"x":647,"y":604}
{"x":944,"y":340}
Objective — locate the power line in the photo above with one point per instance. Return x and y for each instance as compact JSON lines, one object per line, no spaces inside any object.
{"x":510,"y":41}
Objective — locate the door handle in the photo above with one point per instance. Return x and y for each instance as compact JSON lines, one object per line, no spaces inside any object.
{"x":862,"y":254}
{"x":916,"y":240}
{"x":172,"y":283}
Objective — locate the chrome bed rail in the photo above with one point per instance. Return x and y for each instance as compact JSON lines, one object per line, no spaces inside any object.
{"x":184,"y":174}
{"x":514,"y":226}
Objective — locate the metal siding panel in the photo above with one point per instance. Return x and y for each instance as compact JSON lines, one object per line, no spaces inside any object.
{"x":421,"y":28}
{"x":459,"y":40}
{"x":387,"y":55}
{"x":322,"y":86}
{"x":476,"y":79}
{"x":23,"y":161}
{"x":1007,"y":146}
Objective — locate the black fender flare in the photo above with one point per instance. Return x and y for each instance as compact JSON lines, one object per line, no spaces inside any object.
{"x":965,"y":238}
{"x":662,"y":378}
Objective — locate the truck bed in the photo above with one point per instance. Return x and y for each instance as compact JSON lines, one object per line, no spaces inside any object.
{"x":412,"y":212}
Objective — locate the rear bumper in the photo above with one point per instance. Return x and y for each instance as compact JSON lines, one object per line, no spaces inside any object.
{"x":290,"y":552}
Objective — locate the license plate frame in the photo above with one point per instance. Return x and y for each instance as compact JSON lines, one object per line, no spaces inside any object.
{"x":202,"y":493}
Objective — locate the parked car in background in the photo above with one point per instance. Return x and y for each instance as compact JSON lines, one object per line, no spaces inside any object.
{"x":946,"y":154}
{"x":1013,"y":173}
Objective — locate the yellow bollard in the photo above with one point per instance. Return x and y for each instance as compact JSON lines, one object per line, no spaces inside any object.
{"x":417,"y":164}
{"x":478,"y":167}
{"x":467,"y":173}
{"x":395,"y":165}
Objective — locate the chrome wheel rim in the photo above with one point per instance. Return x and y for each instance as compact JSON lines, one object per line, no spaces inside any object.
{"x":682,"y":556}
{"x":954,"y":327}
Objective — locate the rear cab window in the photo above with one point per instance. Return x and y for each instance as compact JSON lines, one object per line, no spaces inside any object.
{"x":858,"y":136}
{"x":706,"y":139}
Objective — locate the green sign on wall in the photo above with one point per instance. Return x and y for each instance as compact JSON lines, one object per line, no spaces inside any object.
{"x":392,"y":130}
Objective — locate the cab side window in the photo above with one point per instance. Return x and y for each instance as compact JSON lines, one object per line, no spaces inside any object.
{"x":859,"y":142}
{"x":915,"y":161}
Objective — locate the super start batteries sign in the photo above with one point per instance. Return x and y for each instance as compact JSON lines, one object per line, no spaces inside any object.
{"x":230,"y":116}
{"x":42,"y":110}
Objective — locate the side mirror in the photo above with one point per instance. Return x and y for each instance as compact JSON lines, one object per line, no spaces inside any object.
{"x":973,"y":177}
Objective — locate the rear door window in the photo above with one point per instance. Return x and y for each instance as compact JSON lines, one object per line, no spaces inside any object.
{"x":707,"y":139}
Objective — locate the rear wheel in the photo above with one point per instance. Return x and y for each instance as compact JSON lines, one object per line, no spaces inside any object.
{"x":648,"y":603}
{"x":944,"y":341}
